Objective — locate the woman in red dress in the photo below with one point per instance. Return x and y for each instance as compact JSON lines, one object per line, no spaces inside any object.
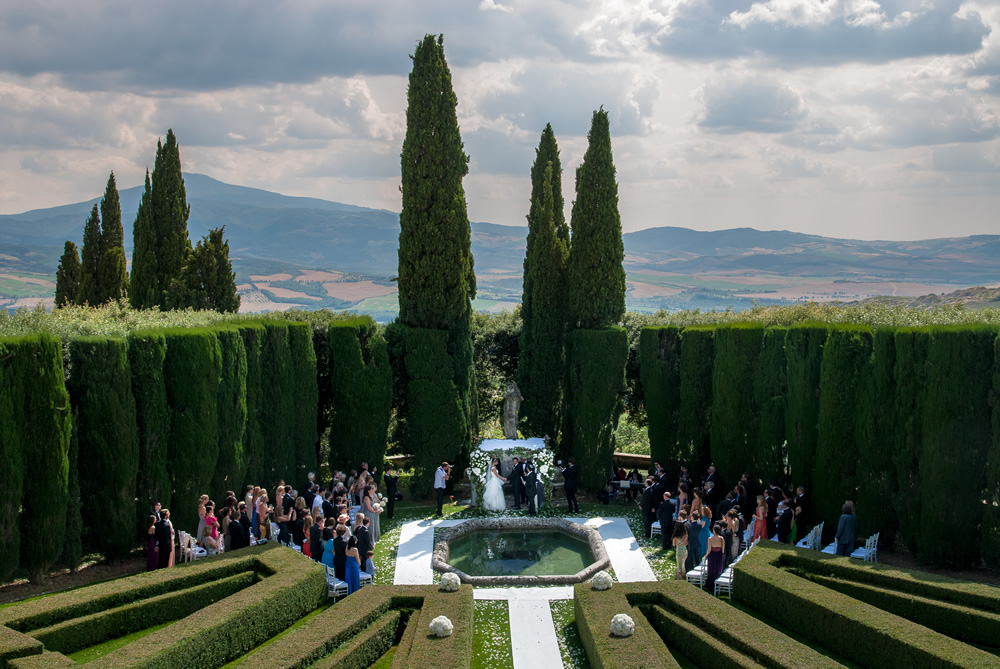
{"x":760,"y":520}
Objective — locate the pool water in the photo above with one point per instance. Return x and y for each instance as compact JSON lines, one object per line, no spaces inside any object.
{"x":529,"y":553}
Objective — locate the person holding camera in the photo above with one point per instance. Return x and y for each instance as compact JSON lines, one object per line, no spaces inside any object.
{"x":441,"y":477}
{"x":569,"y":476}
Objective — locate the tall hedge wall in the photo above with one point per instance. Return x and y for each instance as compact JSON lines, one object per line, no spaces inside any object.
{"x":991,"y":513}
{"x":305,"y":434}
{"x":191,"y":372}
{"x":254,"y":453}
{"x":147,"y":352}
{"x":659,"y":369}
{"x":695,"y":378}
{"x":108,"y":441}
{"x":42,"y":411}
{"x":955,"y":442}
{"x":803,"y":357}
{"x":596,"y":384}
{"x":361,"y":393}
{"x":770,"y":387}
{"x":277,"y":409}
{"x":735,"y":415}
{"x":231,"y":404}
{"x":11,"y":461}
{"x":912,"y":349}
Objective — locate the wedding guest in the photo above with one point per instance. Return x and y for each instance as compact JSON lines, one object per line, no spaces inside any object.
{"x":164,"y":545}
{"x":847,"y":528}
{"x":680,"y":543}
{"x":760,"y":520}
{"x":441,"y":476}
{"x":363,"y":534}
{"x":368,"y":505}
{"x":352,"y":566}
{"x":665,"y":514}
{"x":715,"y":556}
{"x":646,"y":507}
{"x":151,"y":555}
{"x":391,"y":488}
{"x":340,"y":552}
{"x":694,"y":534}
{"x":370,"y":564}
{"x":239,"y":535}
{"x":570,"y":485}
{"x":316,"y":537}
{"x":329,"y":549}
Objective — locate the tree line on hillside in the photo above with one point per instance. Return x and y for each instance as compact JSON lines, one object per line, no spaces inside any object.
{"x":166,"y":272}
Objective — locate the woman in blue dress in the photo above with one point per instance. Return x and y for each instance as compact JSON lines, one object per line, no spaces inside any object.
{"x":327,"y":547}
{"x":706,"y":530}
{"x":353,"y":572}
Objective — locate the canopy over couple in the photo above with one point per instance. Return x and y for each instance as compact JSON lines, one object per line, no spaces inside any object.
{"x":525,"y":482}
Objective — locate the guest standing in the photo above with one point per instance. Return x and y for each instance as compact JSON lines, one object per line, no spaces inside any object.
{"x":391,"y":488}
{"x":440,"y":481}
{"x":368,"y":506}
{"x":715,"y":556}
{"x":680,"y":542}
{"x":570,"y":486}
{"x":328,"y":549}
{"x":847,"y":528}
{"x":151,"y":555}
{"x":353,"y":566}
{"x":340,"y":552}
{"x":164,"y":547}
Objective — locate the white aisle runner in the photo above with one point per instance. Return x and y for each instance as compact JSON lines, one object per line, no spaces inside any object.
{"x":533,"y":634}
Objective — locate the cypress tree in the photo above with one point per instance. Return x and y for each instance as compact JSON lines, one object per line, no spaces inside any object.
{"x":991,"y":513}
{"x":90,"y":260}
{"x":11,"y":459}
{"x":769,"y":456}
{"x":305,"y":398}
{"x":694,"y":417}
{"x":68,"y":276}
{"x":659,"y":354}
{"x":108,"y":441}
{"x":72,"y":555}
{"x":803,"y":359}
{"x":912,"y":347}
{"x":541,"y":370}
{"x":735,"y":416}
{"x":113,"y":276}
{"x":142,"y":289}
{"x":207,"y":280}
{"x":595,"y":273}
{"x":232,"y":411}
{"x":147,"y":352}
{"x":277,"y":411}
{"x":254,"y":451}
{"x":437,"y":281}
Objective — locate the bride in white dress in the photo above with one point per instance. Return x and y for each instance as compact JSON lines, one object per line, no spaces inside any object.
{"x":493,"y":498}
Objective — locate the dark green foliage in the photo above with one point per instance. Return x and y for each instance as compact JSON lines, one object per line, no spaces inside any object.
{"x":191,"y":373}
{"x":660,"y":353}
{"x":912,"y":347}
{"x":878,"y":435}
{"x":42,"y":411}
{"x":305,"y":397}
{"x":101,"y":392}
{"x":734,"y":427}
{"x":142,"y":289}
{"x":147,"y":352}
{"x":803,"y":358}
{"x":541,"y":370}
{"x":232,"y":412}
{"x":847,"y":359}
{"x":11,"y":460}
{"x":436,"y":276}
{"x":72,"y":554}
{"x":207,"y":280}
{"x":695,"y":377}
{"x":496,"y":343}
{"x":361,"y":382}
{"x":596,"y":384}
{"x":111,"y":270}
{"x":276,"y":412}
{"x":770,"y":386}
{"x":433,"y":425}
{"x":956,"y":438}
{"x":90,"y":256}
{"x":255,"y":455}
{"x":68,"y":276}
{"x":595,"y":274}
{"x":991,"y":513}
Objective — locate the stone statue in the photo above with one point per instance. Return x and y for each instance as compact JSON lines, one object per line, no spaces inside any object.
{"x":511,"y":405}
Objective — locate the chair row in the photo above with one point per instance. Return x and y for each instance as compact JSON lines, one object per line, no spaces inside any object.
{"x":814,"y":539}
{"x":868,"y":552}
{"x":698,"y":575}
{"x":337,"y":588}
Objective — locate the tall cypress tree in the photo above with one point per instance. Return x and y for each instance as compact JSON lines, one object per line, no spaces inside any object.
{"x":596,"y":275}
{"x":437,"y":282}
{"x":207,"y":280}
{"x":90,"y":258}
{"x":68,"y":276}
{"x":142,"y":293}
{"x":113,"y":276}
{"x":540,"y":371}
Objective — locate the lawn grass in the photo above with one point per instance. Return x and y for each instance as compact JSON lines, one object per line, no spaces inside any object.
{"x":491,"y":644}
{"x":574,"y":655}
{"x":102,"y":649}
{"x":385,"y":661}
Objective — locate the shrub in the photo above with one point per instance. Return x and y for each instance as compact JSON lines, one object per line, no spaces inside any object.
{"x":364,"y":650}
{"x":596,"y":383}
{"x":10,"y":458}
{"x":735,"y":416}
{"x":191,"y":375}
{"x":770,"y":389}
{"x":147,"y":352}
{"x":361,"y":385}
{"x":108,"y":441}
{"x":991,"y":513}
{"x":912,"y":346}
{"x":803,"y":358}
{"x":594,"y":610}
{"x":276,"y":413}
{"x":254,"y":451}
{"x":232,"y":412}
{"x":305,"y":399}
{"x":694,"y":418}
{"x":72,"y":554}
{"x":659,"y":354}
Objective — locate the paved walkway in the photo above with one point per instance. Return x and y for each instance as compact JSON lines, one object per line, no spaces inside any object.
{"x":533,"y":634}
{"x":626,"y":557}
{"x":416,"y":548}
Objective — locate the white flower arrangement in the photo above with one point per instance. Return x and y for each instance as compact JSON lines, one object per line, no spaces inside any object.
{"x":622,"y":625}
{"x":601,"y":581}
{"x":442,"y":627}
{"x":477,"y":471}
{"x":376,"y":507}
{"x":450,"y":582}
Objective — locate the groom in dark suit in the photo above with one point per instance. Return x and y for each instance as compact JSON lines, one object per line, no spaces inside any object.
{"x":569,"y":476}
{"x":531,"y":483}
{"x":517,"y":478}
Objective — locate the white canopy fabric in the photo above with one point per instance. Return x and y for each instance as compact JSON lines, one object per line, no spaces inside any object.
{"x":489,"y":445}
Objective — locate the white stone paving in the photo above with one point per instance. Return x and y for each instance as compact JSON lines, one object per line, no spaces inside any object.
{"x":626,"y":557}
{"x":533,"y":634}
{"x":416,"y":548}
{"x":547,"y":594}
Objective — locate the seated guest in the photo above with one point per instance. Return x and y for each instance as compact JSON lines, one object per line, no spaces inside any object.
{"x":207,"y":542}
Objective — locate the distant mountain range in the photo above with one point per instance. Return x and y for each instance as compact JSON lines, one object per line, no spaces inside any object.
{"x":668,"y":267}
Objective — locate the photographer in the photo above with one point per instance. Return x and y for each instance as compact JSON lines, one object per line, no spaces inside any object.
{"x":441,"y":477}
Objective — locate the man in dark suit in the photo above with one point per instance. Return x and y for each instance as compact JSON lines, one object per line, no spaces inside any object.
{"x":772,"y":511}
{"x":329,"y":511}
{"x":364,"y":537}
{"x":530,"y":482}
{"x":391,"y":486}
{"x":517,"y":477}
{"x":712,"y":476}
{"x":711,"y":495}
{"x":647,"y":505}
{"x":665,"y":514}
{"x":784,"y":522}
{"x":164,"y":542}
{"x":569,"y":476}
{"x":725,"y":505}
{"x":238,"y":537}
{"x":802,"y":503}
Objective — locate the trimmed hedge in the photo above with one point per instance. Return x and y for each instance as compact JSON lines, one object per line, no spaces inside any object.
{"x":11,"y":462}
{"x":147,"y":352}
{"x":693,"y":642}
{"x":912,"y":347}
{"x":878,"y":435}
{"x":277,"y":409}
{"x":254,"y":451}
{"x":770,"y":387}
{"x":659,"y":369}
{"x":191,"y":372}
{"x":305,"y":434}
{"x":990,"y":529}
{"x":596,"y":385}
{"x":594,"y":611}
{"x":694,"y":415}
{"x":105,"y":431}
{"x":363,"y":651}
{"x":803,"y":358}
{"x":361,"y":393}
{"x":735,"y":415}
{"x":232,"y":412}
{"x":852,"y":628}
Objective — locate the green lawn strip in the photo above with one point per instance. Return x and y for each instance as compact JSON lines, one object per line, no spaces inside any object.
{"x":102,"y":649}
{"x":385,"y":661}
{"x":301,"y":621}
{"x":694,"y":642}
{"x":491,"y":644}
{"x":570,"y":645}
{"x":366,"y":648}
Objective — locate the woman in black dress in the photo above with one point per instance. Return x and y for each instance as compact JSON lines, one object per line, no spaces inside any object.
{"x":340,"y":553}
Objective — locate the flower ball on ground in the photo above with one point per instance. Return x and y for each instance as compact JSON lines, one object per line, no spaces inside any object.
{"x":450,"y":582}
{"x":442,"y":627}
{"x":622,"y":625}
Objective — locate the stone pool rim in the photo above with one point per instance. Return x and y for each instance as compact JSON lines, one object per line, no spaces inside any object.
{"x":587,"y":534}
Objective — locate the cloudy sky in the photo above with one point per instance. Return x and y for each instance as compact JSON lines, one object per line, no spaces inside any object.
{"x":848,"y":118}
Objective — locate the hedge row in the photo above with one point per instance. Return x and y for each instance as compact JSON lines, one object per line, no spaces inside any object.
{"x":339,"y":630}
{"x":847,"y":626}
{"x":287,"y":587}
{"x":902,"y":420}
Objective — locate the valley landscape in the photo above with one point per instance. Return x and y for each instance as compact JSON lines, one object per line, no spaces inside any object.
{"x":294,"y":252}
